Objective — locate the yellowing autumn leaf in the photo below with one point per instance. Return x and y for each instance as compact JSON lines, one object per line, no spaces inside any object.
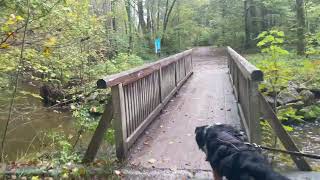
{"x":46,"y":51}
{"x":19,"y":18}
{"x":4,"y":46}
{"x":35,"y":178}
{"x":5,"y":28}
{"x":10,"y":22}
{"x":50,"y":42}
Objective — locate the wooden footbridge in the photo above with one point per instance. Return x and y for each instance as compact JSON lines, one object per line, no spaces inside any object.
{"x":157,"y":107}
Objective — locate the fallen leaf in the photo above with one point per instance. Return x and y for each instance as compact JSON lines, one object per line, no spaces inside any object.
{"x":70,"y":136}
{"x":171,"y":142}
{"x":173,"y":169}
{"x":93,"y":109}
{"x":146,"y":143}
{"x":152,"y":161}
{"x":134,"y":163}
{"x":117,"y":172}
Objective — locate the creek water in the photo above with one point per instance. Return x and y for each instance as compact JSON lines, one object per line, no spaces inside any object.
{"x":307,"y":137}
{"x":30,"y":119}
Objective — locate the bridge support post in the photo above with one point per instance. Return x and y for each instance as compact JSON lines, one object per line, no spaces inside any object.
{"x":119,"y":121}
{"x":254,"y":112}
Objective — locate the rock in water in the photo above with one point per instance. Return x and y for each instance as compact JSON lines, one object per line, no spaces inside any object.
{"x":308,"y":97}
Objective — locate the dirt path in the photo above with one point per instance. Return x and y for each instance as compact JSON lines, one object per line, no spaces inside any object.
{"x":169,"y":142}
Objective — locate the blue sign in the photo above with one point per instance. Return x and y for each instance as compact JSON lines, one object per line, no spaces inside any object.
{"x":157,"y":45}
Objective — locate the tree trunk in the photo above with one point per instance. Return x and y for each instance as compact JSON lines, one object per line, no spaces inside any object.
{"x":253,"y":22}
{"x":128,"y":9}
{"x":114,"y":24}
{"x":167,"y":15}
{"x":301,"y":23}
{"x":158,"y":16}
{"x":142,"y":23}
{"x":223,"y":7}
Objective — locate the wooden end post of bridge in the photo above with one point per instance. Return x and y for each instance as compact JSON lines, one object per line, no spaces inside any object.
{"x":254,"y":111}
{"x":119,"y":120}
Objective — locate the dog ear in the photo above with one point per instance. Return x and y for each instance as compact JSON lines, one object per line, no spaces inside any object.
{"x":200,"y":139}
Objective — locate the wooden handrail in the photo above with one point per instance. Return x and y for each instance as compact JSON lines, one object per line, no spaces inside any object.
{"x":248,"y":70}
{"x":132,"y":75}
{"x":245,"y":79}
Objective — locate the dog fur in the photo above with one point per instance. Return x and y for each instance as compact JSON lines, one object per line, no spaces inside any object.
{"x":230,"y":157}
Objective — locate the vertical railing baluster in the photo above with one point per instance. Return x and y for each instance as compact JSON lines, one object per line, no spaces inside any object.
{"x":161,"y":93}
{"x":131,"y":111}
{"x":127,"y":100}
{"x":176,"y":73}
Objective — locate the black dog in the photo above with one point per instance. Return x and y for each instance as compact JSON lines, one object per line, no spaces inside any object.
{"x":231,"y":157}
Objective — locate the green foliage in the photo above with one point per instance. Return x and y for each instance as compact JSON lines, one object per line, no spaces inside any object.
{"x":275,"y":69}
{"x":84,"y":120}
{"x":310,"y":113}
{"x":313,"y":44}
{"x":287,"y":114}
{"x":125,"y":61}
{"x":271,"y":42}
{"x":62,"y":147}
{"x":266,"y":133}
{"x":277,"y":75}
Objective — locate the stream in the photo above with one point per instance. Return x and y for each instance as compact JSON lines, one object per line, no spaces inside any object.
{"x":307,"y":137}
{"x":29,"y":120}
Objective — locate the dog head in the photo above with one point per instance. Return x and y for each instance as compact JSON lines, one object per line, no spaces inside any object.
{"x":201,"y":137}
{"x":218,"y":133}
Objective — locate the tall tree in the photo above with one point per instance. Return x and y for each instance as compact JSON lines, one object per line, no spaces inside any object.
{"x":129,"y":15}
{"x":142,"y":22}
{"x":253,"y":22}
{"x":167,"y":14}
{"x":301,"y":24}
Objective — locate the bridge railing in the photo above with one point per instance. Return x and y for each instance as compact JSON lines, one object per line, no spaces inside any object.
{"x":245,"y":79}
{"x":140,"y":94}
{"x":253,"y":106}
